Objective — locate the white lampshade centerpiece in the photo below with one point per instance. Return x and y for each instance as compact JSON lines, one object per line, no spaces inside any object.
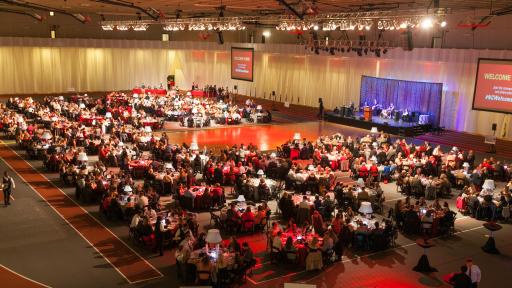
{"x":47,"y":135}
{"x":82,"y":157}
{"x":128,"y":189}
{"x":366,"y":209}
{"x":213,"y":237}
{"x":489,"y":184}
{"x":194,"y":146}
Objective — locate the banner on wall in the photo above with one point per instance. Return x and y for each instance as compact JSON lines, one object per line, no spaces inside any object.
{"x":242,"y":63}
{"x":493,"y":86}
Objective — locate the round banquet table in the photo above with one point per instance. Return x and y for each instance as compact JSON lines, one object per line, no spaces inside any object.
{"x":301,"y":244}
{"x":149,"y":91}
{"x":88,"y":120}
{"x":139,"y":163}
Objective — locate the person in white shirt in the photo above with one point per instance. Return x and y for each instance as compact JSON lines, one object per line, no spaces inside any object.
{"x":135,"y":220}
{"x":473,"y":272}
{"x":143,"y":201}
{"x":277,"y":244}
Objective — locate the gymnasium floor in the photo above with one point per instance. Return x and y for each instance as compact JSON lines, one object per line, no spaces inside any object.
{"x":48,"y":237}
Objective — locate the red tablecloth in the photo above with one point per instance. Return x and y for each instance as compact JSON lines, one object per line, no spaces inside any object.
{"x":197,"y":93}
{"x":152,"y":91}
{"x":88,"y":120}
{"x":153,"y":124}
{"x":139,"y":163}
{"x":294,"y":154}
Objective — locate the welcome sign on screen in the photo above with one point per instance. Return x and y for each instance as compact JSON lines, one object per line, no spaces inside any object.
{"x":242,"y":63}
{"x":493,"y":86}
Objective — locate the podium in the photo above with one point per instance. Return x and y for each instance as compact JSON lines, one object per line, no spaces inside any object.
{"x":368,"y":113}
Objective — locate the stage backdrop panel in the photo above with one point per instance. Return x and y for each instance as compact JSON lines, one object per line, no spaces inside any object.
{"x":422,"y":97}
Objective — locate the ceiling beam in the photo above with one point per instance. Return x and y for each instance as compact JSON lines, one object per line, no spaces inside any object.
{"x":291,"y":9}
{"x":25,"y":4}
{"x":21,"y":12}
{"x":151,"y":12}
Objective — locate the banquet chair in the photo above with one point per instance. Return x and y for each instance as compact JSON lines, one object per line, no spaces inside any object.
{"x":361,"y":241}
{"x":246,"y":227}
{"x":379,"y":242}
{"x":291,"y":256}
{"x":314,"y":261}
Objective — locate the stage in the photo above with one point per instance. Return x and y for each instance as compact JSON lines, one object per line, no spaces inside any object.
{"x":400,"y":128}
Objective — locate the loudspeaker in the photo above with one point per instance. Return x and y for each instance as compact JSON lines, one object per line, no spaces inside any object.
{"x":220,"y":38}
{"x":235,"y":88}
{"x":494,"y":126}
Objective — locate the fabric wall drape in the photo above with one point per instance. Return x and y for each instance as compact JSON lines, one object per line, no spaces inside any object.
{"x":296,"y":75}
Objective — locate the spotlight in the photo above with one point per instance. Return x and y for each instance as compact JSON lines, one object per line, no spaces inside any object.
{"x":427,"y":23}
{"x":443,"y":24}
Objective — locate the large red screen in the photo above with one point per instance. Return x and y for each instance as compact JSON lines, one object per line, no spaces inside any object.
{"x":242,"y":63}
{"x":493,"y":87}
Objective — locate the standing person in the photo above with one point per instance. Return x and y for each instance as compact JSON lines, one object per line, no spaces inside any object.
{"x":461,"y":279}
{"x":473,"y":272}
{"x":159,"y":235}
{"x":320,"y":109}
{"x":7,"y":185}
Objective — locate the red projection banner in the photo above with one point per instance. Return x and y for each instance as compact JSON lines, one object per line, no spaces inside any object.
{"x":242,"y":63}
{"x":493,"y":86}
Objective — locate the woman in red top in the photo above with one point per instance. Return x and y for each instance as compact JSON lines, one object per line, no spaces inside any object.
{"x":248,"y":219}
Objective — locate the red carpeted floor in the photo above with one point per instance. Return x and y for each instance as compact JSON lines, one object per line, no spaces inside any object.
{"x":125,"y":260}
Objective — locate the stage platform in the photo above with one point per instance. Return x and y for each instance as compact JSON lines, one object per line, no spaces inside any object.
{"x":400,"y":128}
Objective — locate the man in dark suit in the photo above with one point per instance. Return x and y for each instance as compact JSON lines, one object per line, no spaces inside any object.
{"x":461,"y":279}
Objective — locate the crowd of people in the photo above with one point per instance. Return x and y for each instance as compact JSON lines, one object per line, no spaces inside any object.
{"x":333,"y":184}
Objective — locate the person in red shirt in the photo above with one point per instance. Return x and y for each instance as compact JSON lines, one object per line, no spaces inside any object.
{"x":363,"y":171}
{"x":374,"y":171}
{"x":248,"y":219}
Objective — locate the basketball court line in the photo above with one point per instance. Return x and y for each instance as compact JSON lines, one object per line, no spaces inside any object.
{"x":4,"y":275}
{"x":128,"y":270}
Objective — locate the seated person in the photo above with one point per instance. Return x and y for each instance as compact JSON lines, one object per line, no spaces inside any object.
{"x":248,"y":219}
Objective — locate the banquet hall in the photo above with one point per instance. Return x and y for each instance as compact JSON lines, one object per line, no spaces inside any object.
{"x":230,"y":143}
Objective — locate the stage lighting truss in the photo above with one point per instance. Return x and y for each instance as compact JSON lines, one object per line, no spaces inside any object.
{"x":376,"y":48}
{"x":381,"y":20}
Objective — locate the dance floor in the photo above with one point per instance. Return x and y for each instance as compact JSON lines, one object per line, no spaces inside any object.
{"x":266,"y":137}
